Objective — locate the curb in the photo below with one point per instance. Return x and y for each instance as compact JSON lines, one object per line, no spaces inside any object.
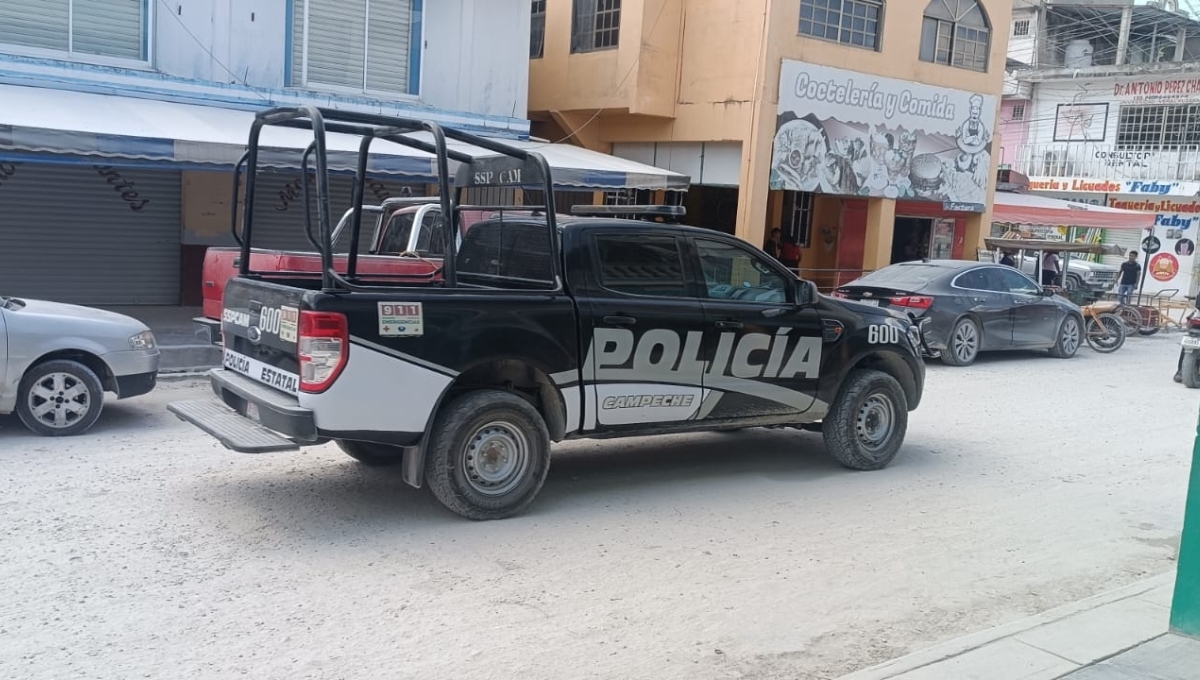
{"x":967,"y":643}
{"x":183,"y":375}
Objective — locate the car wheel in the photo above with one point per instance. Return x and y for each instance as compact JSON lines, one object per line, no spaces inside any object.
{"x":867,"y":423}
{"x":371,"y":454}
{"x":1068,"y":336}
{"x":60,"y":398}
{"x":488,"y":455}
{"x":1074,"y":283}
{"x":963,"y":347}
{"x":1191,"y":370}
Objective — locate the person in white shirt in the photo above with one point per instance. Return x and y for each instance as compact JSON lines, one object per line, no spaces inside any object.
{"x":1050,"y":269}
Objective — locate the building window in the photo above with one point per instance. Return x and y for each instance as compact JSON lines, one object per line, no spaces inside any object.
{"x":361,"y":46}
{"x":1018,"y":112}
{"x":537,"y":30}
{"x":1020,"y":28}
{"x":956,"y":33}
{"x":629,"y":197}
{"x":798,"y":216}
{"x":595,"y":25}
{"x":850,"y":22}
{"x":1158,"y":127}
{"x":82,"y":29}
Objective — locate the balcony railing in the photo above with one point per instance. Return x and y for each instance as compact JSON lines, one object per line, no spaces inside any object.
{"x":1108,"y":162}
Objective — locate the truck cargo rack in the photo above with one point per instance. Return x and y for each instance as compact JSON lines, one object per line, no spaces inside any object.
{"x":510,"y":167}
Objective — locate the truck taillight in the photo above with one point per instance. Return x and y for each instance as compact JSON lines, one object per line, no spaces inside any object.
{"x":323,"y":348}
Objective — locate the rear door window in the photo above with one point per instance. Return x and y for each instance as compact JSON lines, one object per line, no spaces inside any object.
{"x":643,"y":265}
{"x":500,"y":249}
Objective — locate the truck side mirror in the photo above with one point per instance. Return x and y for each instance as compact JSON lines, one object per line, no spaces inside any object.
{"x":806,"y":293}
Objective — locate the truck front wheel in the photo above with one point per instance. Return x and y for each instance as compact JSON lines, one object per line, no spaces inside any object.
{"x":866,"y":425}
{"x":488,"y":455}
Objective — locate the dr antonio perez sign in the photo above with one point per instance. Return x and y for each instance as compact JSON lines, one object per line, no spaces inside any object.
{"x":854,"y":134}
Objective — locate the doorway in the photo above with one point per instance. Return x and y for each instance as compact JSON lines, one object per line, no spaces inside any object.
{"x":911,"y":239}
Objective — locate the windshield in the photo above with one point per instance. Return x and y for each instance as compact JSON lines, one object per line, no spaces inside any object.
{"x":902,"y":276}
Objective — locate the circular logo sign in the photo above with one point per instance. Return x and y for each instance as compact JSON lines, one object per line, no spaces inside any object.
{"x":1151,"y":245}
{"x":1185,"y":247}
{"x":1164,"y":267}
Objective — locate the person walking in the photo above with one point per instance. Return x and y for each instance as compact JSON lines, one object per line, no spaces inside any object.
{"x":1050,"y":270}
{"x":1131,"y":271}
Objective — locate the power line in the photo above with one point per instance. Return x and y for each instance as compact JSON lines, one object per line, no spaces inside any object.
{"x":242,"y":81}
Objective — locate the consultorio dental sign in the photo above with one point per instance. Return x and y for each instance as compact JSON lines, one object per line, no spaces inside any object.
{"x":1088,"y":185}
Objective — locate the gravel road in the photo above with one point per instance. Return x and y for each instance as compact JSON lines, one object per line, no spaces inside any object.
{"x":144,"y":550}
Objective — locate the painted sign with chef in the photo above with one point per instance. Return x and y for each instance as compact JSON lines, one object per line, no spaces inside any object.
{"x":849,"y":133}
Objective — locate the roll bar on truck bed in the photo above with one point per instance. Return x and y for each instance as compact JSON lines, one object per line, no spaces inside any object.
{"x":510,"y":167}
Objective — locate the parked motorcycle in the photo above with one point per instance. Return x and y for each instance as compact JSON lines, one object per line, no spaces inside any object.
{"x":1189,"y":364}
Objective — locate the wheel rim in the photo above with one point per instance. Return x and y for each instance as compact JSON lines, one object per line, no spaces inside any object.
{"x":966,"y":342}
{"x":59,"y":400}
{"x":1070,"y":336}
{"x":1100,"y":335}
{"x":875,"y":422}
{"x":496,"y":459}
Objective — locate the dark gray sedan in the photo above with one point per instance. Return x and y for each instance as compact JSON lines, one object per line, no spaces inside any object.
{"x":973,"y":307}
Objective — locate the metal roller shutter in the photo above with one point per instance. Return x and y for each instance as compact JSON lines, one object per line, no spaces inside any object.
{"x":279,"y":206}
{"x":1128,"y":239}
{"x":358,"y":44}
{"x":90,"y":236}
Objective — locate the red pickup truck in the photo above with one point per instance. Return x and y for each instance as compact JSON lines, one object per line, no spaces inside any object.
{"x":407,"y":242}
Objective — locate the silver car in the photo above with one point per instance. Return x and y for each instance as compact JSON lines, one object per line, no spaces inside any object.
{"x":56,"y":362}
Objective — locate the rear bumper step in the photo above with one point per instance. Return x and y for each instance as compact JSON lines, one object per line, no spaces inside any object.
{"x":231,"y":428}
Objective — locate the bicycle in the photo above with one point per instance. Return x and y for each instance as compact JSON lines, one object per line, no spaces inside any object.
{"x":1103,"y":329}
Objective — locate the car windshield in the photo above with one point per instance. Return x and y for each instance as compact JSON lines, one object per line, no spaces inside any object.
{"x":901,"y":276}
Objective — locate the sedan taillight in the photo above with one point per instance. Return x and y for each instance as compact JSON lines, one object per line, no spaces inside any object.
{"x":323,"y":348}
{"x":912,"y":301}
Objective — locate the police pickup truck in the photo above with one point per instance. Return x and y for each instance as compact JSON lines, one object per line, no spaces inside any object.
{"x":543,"y":328}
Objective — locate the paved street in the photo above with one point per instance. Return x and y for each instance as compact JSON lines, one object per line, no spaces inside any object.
{"x":146,"y":550}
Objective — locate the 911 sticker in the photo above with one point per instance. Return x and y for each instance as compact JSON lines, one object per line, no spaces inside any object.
{"x":401,"y":319}
{"x":883,"y":335}
{"x":289,"y":322}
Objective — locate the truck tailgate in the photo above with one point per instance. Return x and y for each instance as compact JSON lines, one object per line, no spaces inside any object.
{"x":260,"y":323}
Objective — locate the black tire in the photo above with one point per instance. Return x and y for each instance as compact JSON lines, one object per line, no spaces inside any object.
{"x":1068,"y":338}
{"x":495,"y":424}
{"x":1074,"y":283}
{"x":60,"y":398}
{"x":1191,"y":370}
{"x":866,"y":400}
{"x":1134,"y":322}
{"x":370,"y":453}
{"x":962,"y":347}
{"x":1105,"y":333}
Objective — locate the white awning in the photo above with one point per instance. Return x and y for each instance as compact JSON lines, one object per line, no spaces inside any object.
{"x":85,"y":125}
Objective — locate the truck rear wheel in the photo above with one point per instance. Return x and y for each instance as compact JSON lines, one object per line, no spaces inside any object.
{"x":488,"y":455}
{"x":866,"y":425}
{"x":371,"y":454}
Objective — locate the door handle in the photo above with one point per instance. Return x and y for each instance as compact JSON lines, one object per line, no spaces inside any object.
{"x":728,"y":325}
{"x":620,"y":320}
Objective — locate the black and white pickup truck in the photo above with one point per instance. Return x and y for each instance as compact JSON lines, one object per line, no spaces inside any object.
{"x":547,"y":328}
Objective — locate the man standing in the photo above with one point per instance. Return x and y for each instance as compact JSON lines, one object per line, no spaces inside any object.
{"x":1049,"y":269}
{"x":1008,"y":260}
{"x":1131,"y":271}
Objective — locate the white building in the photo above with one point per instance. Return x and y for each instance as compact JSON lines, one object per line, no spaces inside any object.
{"x":121,"y":120}
{"x":1104,"y":108}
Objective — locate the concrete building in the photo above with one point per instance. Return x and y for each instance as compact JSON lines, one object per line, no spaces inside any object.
{"x":121,"y":120}
{"x":862,"y":129}
{"x":1109,"y":105}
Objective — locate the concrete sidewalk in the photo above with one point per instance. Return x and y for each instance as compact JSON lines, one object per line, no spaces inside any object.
{"x":1120,"y":635}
